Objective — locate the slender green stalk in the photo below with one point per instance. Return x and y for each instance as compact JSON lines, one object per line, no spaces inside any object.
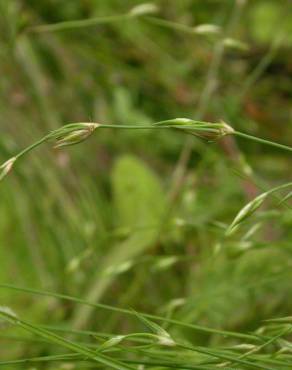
{"x":81,"y":23}
{"x":132,"y":313}
{"x":153,"y":127}
{"x":205,"y":97}
{"x":64,"y":357}
{"x":171,"y":25}
{"x":69,"y":357}
{"x":250,"y":208}
{"x":91,"y":22}
{"x":270,"y":341}
{"x":74,"y":133}
{"x":223,"y":356}
{"x":262,"y":141}
{"x":280,"y":187}
{"x":54,"y":338}
{"x":32,"y":146}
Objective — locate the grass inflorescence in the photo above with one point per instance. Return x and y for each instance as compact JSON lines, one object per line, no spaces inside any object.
{"x":158,"y":242}
{"x":75,"y":133}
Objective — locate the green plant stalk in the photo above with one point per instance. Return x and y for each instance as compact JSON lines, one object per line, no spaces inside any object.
{"x":171,"y":25}
{"x":223,"y":356}
{"x":91,"y":22}
{"x":81,"y":23}
{"x":32,"y":146}
{"x":213,"y":353}
{"x":259,"y":348}
{"x":198,"y":127}
{"x":68,"y":357}
{"x":76,"y":357}
{"x":153,"y":127}
{"x":76,"y":132}
{"x":280,"y":187}
{"x":205,"y":96}
{"x":132,"y":313}
{"x":262,"y":141}
{"x":52,"y":337}
{"x":252,"y":206}
{"x":65,"y":357}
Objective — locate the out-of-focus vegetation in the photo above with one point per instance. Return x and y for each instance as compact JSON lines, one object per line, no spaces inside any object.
{"x":137,"y":218}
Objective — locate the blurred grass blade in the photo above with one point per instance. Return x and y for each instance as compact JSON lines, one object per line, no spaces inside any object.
{"x":56,"y":339}
{"x":246,"y":212}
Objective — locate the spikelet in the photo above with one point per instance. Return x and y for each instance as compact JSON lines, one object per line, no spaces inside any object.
{"x":247,"y":211}
{"x":207,"y":29}
{"x":6,"y":167}
{"x":144,"y":9}
{"x":204,"y":130}
{"x":72,"y":134}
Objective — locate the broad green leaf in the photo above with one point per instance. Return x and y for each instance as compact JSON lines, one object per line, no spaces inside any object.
{"x":138,"y":196}
{"x":139,"y":204}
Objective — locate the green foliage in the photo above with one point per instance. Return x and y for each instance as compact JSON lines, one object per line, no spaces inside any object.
{"x":117,"y":251}
{"x":138,"y":195}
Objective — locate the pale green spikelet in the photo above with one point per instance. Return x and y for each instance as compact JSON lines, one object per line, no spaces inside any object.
{"x":144,"y":9}
{"x":247,"y":211}
{"x":112,"y":342}
{"x":235,"y":44}
{"x":204,"y":130}
{"x":207,"y":29}
{"x":73,"y":134}
{"x":7,"y":316}
{"x":6,"y":167}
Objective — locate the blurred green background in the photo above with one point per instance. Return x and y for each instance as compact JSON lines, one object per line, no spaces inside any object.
{"x":136,"y":218}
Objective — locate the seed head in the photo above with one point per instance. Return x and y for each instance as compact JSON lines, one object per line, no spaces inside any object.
{"x":166,"y":341}
{"x":280,"y":320}
{"x":247,"y":211}
{"x":119,"y":269}
{"x":227,"y":129}
{"x":144,"y":9}
{"x":207,"y":29}
{"x":235,"y":44}
{"x":7,"y":316}
{"x":112,"y":342}
{"x":73,"y":134}
{"x":204,"y":130}
{"x":215,"y":131}
{"x":6,"y":167}
{"x":7,"y":311}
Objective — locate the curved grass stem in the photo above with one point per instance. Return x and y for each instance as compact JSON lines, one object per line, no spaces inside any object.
{"x":262,"y":141}
{"x":74,"y":133}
